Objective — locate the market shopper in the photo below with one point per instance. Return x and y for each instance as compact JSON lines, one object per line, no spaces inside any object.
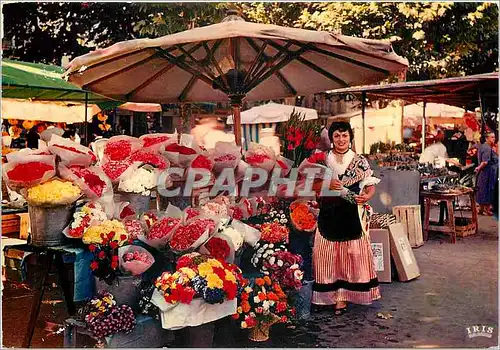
{"x":487,"y":174}
{"x":342,"y":257}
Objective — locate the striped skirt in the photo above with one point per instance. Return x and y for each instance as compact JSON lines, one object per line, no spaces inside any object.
{"x":344,"y":271}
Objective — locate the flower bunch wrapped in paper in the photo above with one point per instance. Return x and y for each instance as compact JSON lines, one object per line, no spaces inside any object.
{"x":193,"y":233}
{"x":219,"y":247}
{"x":263,"y":251}
{"x":263,"y":303}
{"x":134,"y":260}
{"x":71,"y":152}
{"x":274,"y":232}
{"x":215,"y":208}
{"x":260,"y":156}
{"x":200,"y":276}
{"x":202,"y":166}
{"x":190,"y":213}
{"x":250,"y":234}
{"x":285,"y":268}
{"x":120,"y":169}
{"x":304,"y":215}
{"x":92,"y":180}
{"x":226,"y":155}
{"x":25,"y":172}
{"x":160,"y":227}
{"x":316,"y":161}
{"x":155,"y":142}
{"x":153,"y":158}
{"x":53,"y":193}
{"x":106,"y":260}
{"x":141,"y":181}
{"x":105,"y":318}
{"x":119,"y":148}
{"x":109,"y":230}
{"x":182,"y":153}
{"x":284,"y":165}
{"x":92,"y":213}
{"x":134,"y":228}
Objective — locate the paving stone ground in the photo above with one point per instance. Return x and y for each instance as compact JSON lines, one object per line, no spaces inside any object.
{"x":458,"y":288}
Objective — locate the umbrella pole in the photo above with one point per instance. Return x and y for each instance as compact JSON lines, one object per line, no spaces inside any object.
{"x":363,"y":106}
{"x":236,"y":102}
{"x":85,"y":126}
{"x":423,"y":127}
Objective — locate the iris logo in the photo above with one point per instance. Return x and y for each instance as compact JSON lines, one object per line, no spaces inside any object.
{"x":480,"y":331}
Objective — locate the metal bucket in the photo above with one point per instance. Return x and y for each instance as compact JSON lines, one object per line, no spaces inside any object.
{"x":125,"y":290}
{"x":139,"y":202}
{"x":47,"y":224}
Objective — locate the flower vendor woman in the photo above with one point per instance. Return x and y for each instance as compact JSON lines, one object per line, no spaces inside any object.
{"x":342,"y":256}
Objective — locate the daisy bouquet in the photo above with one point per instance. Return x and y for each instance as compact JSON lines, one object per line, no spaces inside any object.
{"x":200,"y":276}
{"x":263,"y":252}
{"x":263,"y":303}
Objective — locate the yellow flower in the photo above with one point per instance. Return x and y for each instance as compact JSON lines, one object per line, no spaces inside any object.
{"x":214,"y":263}
{"x":244,"y":324}
{"x":230,"y":276}
{"x":93,"y":234}
{"x":213,"y":281}
{"x":188,"y":272}
{"x":53,"y":193}
{"x":204,"y":269}
{"x":239,"y":309}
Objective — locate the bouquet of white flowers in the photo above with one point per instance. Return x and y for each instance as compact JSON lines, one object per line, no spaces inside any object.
{"x":141,"y":181}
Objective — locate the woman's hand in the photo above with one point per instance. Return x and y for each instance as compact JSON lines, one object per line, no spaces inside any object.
{"x":336,"y":185}
{"x":366,"y":195}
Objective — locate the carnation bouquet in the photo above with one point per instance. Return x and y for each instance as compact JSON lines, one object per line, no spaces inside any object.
{"x":226,"y":155}
{"x":155,"y":142}
{"x":120,"y":169}
{"x":71,"y":152}
{"x":162,"y":227}
{"x":24,"y":172}
{"x":260,"y":156}
{"x":134,"y":228}
{"x":92,"y":213}
{"x":304,"y":215}
{"x":261,"y":305}
{"x":105,"y":318}
{"x":274,"y":232}
{"x":153,"y":158}
{"x":134,"y":260}
{"x":200,"y":276}
{"x":141,"y":181}
{"x":119,"y":148}
{"x":92,"y":181}
{"x":193,"y":233}
{"x":183,"y":153}
{"x":284,"y":267}
{"x":53,"y":193}
{"x":315,"y":161}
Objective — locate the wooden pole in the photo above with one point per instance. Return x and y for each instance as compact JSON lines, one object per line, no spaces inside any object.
{"x":236,"y":102}
{"x":363,"y":105}
{"x":402,"y":120}
{"x":85,"y":123}
{"x":423,"y":126}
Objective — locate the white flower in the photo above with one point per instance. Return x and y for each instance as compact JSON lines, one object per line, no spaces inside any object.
{"x":298,"y":274}
{"x":260,"y":250}
{"x":140,"y":181}
{"x":256,"y":300}
{"x":271,"y":245}
{"x":272,"y":214}
{"x":265,"y":255}
{"x":266,"y":305}
{"x":294,"y":266}
{"x":272,"y":260}
{"x":236,"y":237}
{"x":280,"y":263}
{"x":248,"y":290}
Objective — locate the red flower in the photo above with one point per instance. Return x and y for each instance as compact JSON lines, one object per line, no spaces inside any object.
{"x":235,"y":316}
{"x":28,"y":172}
{"x":92,"y":247}
{"x":149,"y":158}
{"x":114,"y":258}
{"x":114,"y":265}
{"x":281,"y":306}
{"x":111,"y":234}
{"x":251,"y":321}
{"x":114,"y":169}
{"x":185,"y":294}
{"x":153,"y":140}
{"x":318,"y":158}
{"x":284,"y":319}
{"x":218,"y":248}
{"x":310,"y":144}
{"x":202,"y":162}
{"x":118,"y":150}
{"x":113,"y":244}
{"x":174,"y":147}
{"x":127,"y":211}
{"x":94,"y":265}
{"x":231,"y":289}
{"x":162,"y":228}
{"x":219,"y":271}
{"x":102,"y":254}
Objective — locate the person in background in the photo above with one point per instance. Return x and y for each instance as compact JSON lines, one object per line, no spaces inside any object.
{"x":487,"y":174}
{"x":33,"y":136}
{"x":69,"y":134}
{"x":436,"y":150}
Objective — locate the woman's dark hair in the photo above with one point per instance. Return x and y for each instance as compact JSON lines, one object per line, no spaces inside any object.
{"x":340,"y":126}
{"x":69,"y":133}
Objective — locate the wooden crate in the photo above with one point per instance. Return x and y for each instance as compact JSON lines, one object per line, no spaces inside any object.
{"x":409,"y":216}
{"x":464,"y":228}
{"x":10,"y":223}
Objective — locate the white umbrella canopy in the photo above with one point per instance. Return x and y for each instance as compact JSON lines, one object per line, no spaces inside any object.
{"x":49,"y":111}
{"x":433,"y":110}
{"x":234,"y":59}
{"x":273,"y":113}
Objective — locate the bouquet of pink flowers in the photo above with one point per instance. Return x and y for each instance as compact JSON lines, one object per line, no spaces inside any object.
{"x":284,"y":267}
{"x":134,"y":259}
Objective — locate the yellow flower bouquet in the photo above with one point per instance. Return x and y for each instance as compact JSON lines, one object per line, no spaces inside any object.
{"x":95,"y":234}
{"x":53,"y":193}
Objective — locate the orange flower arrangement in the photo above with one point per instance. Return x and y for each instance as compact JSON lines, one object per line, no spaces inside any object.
{"x":303,"y":216}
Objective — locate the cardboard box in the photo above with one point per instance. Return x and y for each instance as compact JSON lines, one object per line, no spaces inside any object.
{"x":406,"y":264}
{"x":381,"y":250}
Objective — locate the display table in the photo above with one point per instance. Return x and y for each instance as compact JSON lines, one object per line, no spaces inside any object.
{"x":77,"y":285}
{"x":448,"y":226}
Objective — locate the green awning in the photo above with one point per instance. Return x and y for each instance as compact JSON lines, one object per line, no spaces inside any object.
{"x":42,"y":82}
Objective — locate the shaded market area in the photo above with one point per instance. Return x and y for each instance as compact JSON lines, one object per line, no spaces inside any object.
{"x":248,"y":184}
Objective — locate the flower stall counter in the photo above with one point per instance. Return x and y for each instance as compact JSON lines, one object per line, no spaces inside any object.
{"x":198,"y":312}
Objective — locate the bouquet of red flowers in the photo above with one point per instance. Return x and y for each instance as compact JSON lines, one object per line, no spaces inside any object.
{"x":29,"y":171}
{"x":274,"y":232}
{"x":260,"y":156}
{"x":106,"y":260}
{"x":71,"y":152}
{"x":192,"y":234}
{"x":284,"y":267}
{"x":119,"y":148}
{"x":155,"y":142}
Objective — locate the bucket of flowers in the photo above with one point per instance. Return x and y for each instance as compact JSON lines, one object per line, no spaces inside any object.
{"x":202,"y":289}
{"x":261,"y":305}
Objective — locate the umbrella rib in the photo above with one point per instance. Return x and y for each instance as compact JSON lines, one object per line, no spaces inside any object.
{"x":312,"y":65}
{"x":216,"y":65}
{"x":187,"y":88}
{"x":149,"y":80}
{"x":347,"y":59}
{"x":260,"y":52}
{"x":120,"y":71}
{"x":195,"y":61}
{"x":269,"y":61}
{"x":185,"y":67}
{"x":280,"y":76}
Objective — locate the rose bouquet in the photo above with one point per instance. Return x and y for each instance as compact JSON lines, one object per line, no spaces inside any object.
{"x":91,"y":213}
{"x":192,"y":234}
{"x":106,"y":260}
{"x":134,"y":259}
{"x":53,"y":193}
{"x":284,"y":267}
{"x":105,"y":318}
{"x":217,"y":247}
{"x":200,"y":276}
{"x":304,"y":215}
{"x":260,"y":306}
{"x":24,"y":172}
{"x":260,"y":156}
